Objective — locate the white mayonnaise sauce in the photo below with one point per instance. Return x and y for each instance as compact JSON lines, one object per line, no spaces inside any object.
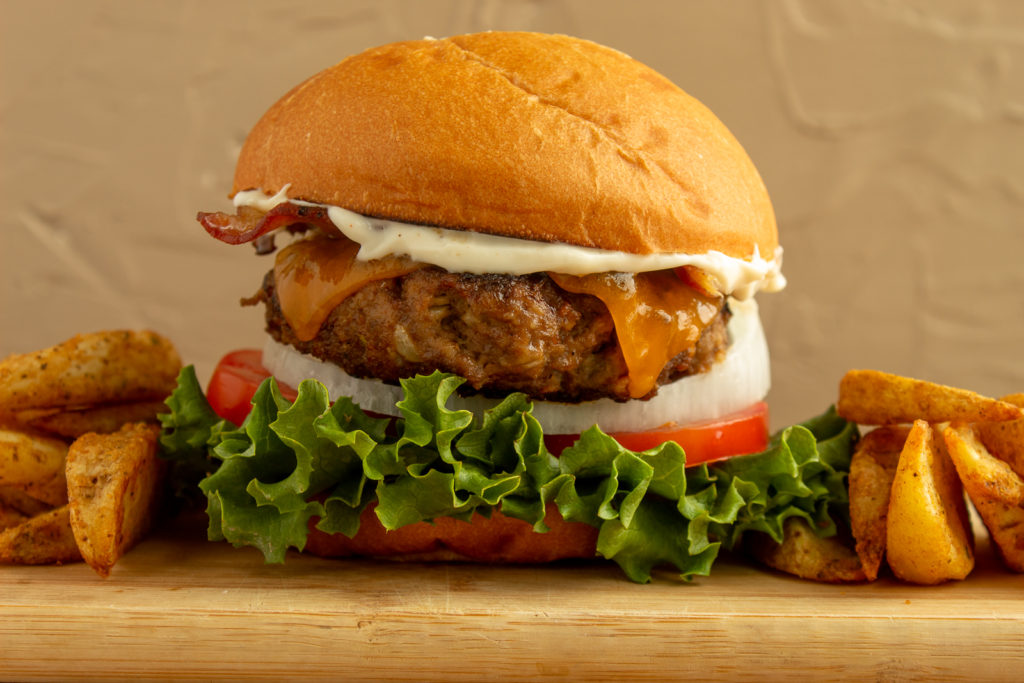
{"x":461,"y":251}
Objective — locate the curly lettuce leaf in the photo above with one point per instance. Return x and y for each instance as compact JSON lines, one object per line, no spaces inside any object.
{"x":189,"y":430}
{"x":291,"y":463}
{"x":802,"y":473}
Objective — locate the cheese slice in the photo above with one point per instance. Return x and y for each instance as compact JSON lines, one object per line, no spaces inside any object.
{"x":314,"y":275}
{"x":657,"y":316}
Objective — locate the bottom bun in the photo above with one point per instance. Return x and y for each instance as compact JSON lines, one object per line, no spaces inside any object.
{"x":497,"y":539}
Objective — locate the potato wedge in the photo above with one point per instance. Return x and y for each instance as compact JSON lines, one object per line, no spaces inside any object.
{"x":117,"y":366}
{"x":995,"y":489}
{"x":871,"y":397}
{"x":10,"y":516}
{"x":16,"y":499}
{"x":805,"y":554}
{"x":872,"y":470}
{"x":43,"y":539}
{"x":102,"y":419}
{"x":34,"y":464}
{"x":114,"y":485}
{"x":1006,"y":439}
{"x":928,"y":532}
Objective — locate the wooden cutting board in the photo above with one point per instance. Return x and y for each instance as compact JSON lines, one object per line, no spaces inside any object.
{"x":179,"y":607}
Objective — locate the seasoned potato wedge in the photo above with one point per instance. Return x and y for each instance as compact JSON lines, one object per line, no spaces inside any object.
{"x":96,"y":497}
{"x":102,"y":419}
{"x":10,"y":516}
{"x":805,"y":554}
{"x":117,"y":366}
{"x":113,"y":491}
{"x":871,"y":397}
{"x":16,"y":499}
{"x":43,"y":539}
{"x":872,"y":470}
{"x":928,"y":533}
{"x":1006,"y":439}
{"x":34,"y":464}
{"x":995,"y":489}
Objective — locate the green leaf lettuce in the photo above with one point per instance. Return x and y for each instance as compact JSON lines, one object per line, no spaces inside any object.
{"x":292,"y":462}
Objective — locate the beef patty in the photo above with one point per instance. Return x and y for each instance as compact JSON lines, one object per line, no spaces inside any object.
{"x":503,"y":333}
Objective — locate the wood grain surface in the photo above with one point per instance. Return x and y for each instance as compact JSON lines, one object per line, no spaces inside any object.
{"x":179,"y":607}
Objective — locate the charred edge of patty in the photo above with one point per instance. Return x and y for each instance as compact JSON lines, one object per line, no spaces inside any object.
{"x":503,"y":333}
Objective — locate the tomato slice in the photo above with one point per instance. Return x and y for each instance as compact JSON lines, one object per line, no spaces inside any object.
{"x":235,"y":380}
{"x":239,"y":374}
{"x":742,"y":432}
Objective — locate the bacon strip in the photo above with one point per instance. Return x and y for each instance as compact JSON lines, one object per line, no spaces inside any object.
{"x":250,"y":224}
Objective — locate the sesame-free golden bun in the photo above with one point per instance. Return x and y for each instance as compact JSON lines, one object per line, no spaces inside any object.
{"x":527,"y":135}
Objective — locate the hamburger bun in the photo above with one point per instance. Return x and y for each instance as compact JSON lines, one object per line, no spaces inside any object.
{"x":494,"y":539}
{"x":525,"y":135}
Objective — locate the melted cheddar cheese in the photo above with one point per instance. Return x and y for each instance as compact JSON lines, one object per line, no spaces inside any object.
{"x":313,"y":276}
{"x":656,"y":315}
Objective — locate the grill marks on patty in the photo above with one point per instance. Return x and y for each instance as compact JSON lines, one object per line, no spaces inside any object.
{"x":502,"y":333}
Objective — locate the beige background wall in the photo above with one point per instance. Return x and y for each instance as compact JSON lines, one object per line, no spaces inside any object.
{"x":890,"y":134}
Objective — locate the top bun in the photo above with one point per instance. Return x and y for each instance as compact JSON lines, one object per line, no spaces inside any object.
{"x":527,"y":135}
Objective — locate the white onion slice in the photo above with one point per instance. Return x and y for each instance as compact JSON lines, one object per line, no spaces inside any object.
{"x":739,"y":380}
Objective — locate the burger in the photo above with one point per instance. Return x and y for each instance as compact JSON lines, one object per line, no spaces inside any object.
{"x":510,"y":318}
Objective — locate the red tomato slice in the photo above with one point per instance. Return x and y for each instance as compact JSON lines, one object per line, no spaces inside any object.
{"x":740,"y":433}
{"x":235,"y":380}
{"x":239,"y":374}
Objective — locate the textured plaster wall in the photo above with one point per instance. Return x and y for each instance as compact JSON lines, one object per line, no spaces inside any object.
{"x":890,"y":134}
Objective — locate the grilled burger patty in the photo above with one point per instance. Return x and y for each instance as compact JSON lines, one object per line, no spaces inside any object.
{"x":502,"y":333}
